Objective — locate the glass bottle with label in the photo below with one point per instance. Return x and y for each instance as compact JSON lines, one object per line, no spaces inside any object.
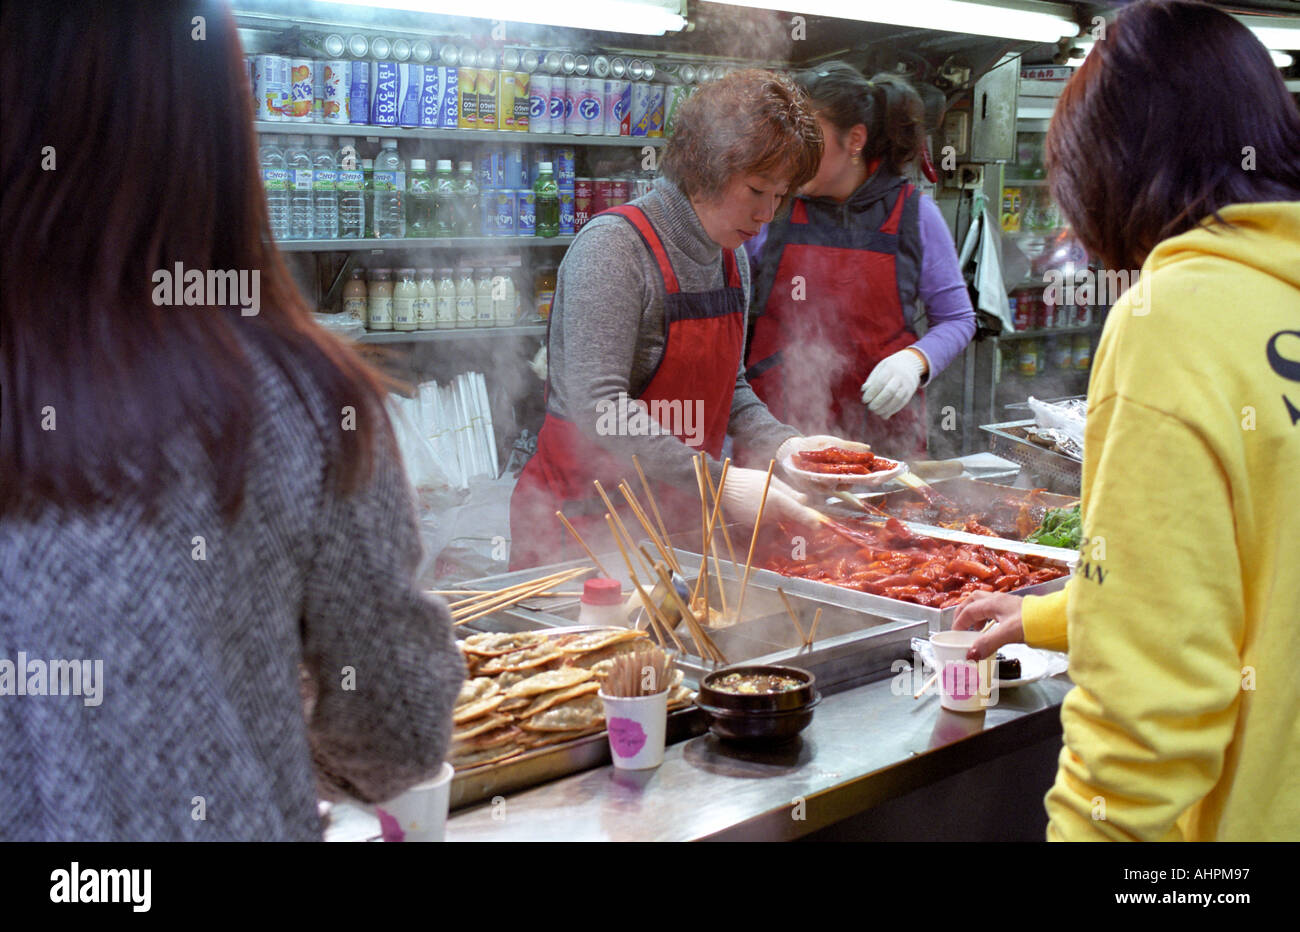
{"x":544,"y":292}
{"x":546,"y":200}
{"x":445,"y":315}
{"x":405,"y":293}
{"x":390,"y":192}
{"x":379,"y":299}
{"x":420,"y":201}
{"x":465,"y":307}
{"x":483,"y":316}
{"x":446,"y":200}
{"x":426,"y":306}
{"x":354,"y":296}
{"x":504,"y":308}
{"x":368,"y":194}
{"x":469,"y":221}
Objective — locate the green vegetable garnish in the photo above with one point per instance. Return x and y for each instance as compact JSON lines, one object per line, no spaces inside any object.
{"x":1061,"y":527}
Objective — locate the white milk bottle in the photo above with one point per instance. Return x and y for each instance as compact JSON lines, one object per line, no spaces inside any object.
{"x":379,"y":299}
{"x":483,"y":299}
{"x":465,"y":298}
{"x":405,"y":293}
{"x":503,"y":298}
{"x":445,"y":314}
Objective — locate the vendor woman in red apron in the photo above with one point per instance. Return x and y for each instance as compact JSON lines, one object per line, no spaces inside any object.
{"x":647,"y":329}
{"x":835,"y":347}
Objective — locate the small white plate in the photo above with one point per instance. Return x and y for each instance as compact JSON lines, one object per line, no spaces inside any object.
{"x":1033,"y":666}
{"x":822,"y":480}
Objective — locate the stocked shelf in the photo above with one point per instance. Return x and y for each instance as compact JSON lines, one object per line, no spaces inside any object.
{"x":366,"y":131}
{"x":419,"y":242}
{"x":427,"y":336}
{"x":1046,"y":332}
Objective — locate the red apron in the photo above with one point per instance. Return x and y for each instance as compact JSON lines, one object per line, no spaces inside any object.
{"x":704,"y":342}
{"x":816,"y":340}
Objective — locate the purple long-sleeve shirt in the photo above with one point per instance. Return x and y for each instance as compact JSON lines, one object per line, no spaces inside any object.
{"x":947,"y":302}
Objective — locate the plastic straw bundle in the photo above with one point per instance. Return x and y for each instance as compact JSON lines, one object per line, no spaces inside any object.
{"x":458,"y":420}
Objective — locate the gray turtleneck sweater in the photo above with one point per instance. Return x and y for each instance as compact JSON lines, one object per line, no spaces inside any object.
{"x":607,"y":331}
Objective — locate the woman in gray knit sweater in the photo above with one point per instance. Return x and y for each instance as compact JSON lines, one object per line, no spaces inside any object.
{"x":202,"y":513}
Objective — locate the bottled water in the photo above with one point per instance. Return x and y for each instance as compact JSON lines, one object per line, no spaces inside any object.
{"x":275,"y":177}
{"x":420,"y":206}
{"x":351,"y":191}
{"x":390,"y":192}
{"x":468,"y":220}
{"x":324,"y":179}
{"x":445,"y":200}
{"x":302,"y":210}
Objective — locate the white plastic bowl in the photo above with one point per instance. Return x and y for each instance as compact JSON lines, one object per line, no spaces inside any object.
{"x":832,"y":482}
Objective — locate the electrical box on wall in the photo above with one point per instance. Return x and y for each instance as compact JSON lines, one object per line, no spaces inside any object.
{"x":956,"y":132}
{"x":993,"y":113}
{"x":966,"y":177}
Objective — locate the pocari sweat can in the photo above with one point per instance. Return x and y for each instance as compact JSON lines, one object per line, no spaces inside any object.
{"x":449,"y":108}
{"x":385,"y":86}
{"x":431,"y":80}
{"x":359,"y":92}
{"x":410,"y":87}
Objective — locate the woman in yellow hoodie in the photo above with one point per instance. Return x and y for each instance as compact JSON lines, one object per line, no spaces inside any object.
{"x":1176,"y":148}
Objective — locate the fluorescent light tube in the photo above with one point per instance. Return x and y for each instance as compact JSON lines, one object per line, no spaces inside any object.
{"x":980,"y":19}
{"x":643,"y":18}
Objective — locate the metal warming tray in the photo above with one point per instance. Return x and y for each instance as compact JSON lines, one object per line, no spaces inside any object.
{"x":1047,"y":468}
{"x":971,"y":494}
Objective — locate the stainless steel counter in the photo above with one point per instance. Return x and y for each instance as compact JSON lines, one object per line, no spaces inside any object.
{"x":865,"y":746}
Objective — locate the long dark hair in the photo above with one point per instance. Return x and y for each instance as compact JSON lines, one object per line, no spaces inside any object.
{"x":887,"y":106}
{"x":128,"y":148}
{"x":1175,"y":114}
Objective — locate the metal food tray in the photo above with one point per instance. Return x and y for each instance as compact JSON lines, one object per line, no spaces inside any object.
{"x":972,"y":494}
{"x":1047,"y":468}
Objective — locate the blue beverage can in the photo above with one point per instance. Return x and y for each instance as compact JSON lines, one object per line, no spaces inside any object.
{"x":525,"y":212}
{"x":359,"y":93}
{"x":503,"y":209}
{"x":513,"y":167}
{"x":448,"y":108}
{"x":430,"y":95}
{"x":564,"y":168}
{"x":410,"y":90}
{"x":487,"y":213}
{"x":385,"y":83}
{"x":485,"y":169}
{"x":566,"y":213}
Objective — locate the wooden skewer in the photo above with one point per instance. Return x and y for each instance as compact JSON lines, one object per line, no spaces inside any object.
{"x":753,"y":540}
{"x":713,"y":544}
{"x":583,"y":544}
{"x":703,"y":578}
{"x":645,"y":523}
{"x":793,"y":617}
{"x":631,"y":541}
{"x":465,"y":606}
{"x":650,"y":496}
{"x":687,"y":616}
{"x":726,"y":535}
{"x":651,"y":609}
{"x":928,"y":683}
{"x":480,"y":610}
{"x":812,"y":634}
{"x":711,"y":520}
{"x":552,"y":593}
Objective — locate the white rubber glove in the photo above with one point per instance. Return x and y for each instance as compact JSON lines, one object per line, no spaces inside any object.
{"x":892,"y":383}
{"x":744,"y":490}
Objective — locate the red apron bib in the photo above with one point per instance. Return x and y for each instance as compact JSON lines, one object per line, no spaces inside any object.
{"x":832,"y":312}
{"x":703,"y":347}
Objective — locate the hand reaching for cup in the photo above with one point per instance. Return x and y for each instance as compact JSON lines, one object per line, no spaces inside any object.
{"x":999,"y":607}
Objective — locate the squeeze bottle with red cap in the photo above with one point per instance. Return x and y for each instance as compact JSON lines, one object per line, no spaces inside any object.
{"x":602,"y":603}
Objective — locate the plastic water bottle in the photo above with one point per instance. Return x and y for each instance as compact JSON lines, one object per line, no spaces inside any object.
{"x":351,"y":191}
{"x":368,"y":193}
{"x":445,"y":200}
{"x":468,"y":221}
{"x":324,"y":182}
{"x":275,"y":178}
{"x":302,"y":210}
{"x":420,"y":201}
{"x":547,"y":202}
{"x":390,"y":192}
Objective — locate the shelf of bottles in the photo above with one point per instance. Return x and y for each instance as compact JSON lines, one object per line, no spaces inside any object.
{"x":424,"y":336}
{"x":419,"y":242}
{"x":364,"y":131}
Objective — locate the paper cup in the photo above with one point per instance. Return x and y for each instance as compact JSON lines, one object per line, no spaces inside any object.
{"x":964,"y":685}
{"x":636,"y":728}
{"x":419,"y":814}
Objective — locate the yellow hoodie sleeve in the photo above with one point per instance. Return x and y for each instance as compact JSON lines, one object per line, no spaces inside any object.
{"x":1044,"y":620}
{"x":1155,"y":628}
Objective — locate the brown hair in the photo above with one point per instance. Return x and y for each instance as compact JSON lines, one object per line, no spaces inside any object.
{"x":1151,"y":135}
{"x":750,"y":122}
{"x":887,"y":106}
{"x":154,"y":163}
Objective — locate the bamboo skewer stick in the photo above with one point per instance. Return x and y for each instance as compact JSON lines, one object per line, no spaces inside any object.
{"x":550,"y":593}
{"x":583,"y":544}
{"x":645,"y":523}
{"x":753,"y":540}
{"x":812,"y":634}
{"x":703,"y":578}
{"x":726,"y":535}
{"x":506,"y":592}
{"x":713,"y":544}
{"x":793,"y":617}
{"x":654,"y":506}
{"x":652,"y":610}
{"x":631,"y":541}
{"x":928,"y":683}
{"x":702,"y":643}
{"x":708,"y":535}
{"x":478,"y":611}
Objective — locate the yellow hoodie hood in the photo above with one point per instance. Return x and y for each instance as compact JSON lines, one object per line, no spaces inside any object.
{"x":1263,"y":236}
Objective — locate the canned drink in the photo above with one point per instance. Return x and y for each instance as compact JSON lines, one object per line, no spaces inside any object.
{"x":250,"y":75}
{"x":487,"y":97}
{"x":487,"y":219}
{"x":600,"y":194}
{"x":271,"y":86}
{"x":503,"y":211}
{"x":488,"y":58}
{"x":491,"y":171}
{"x":335,"y":88}
{"x":600,"y":67}
{"x":330,"y":46}
{"x":422,"y":51}
{"x":618,"y":68}
{"x":510,"y":60}
{"x":687,"y":73}
{"x":380,"y":47}
{"x":618,"y":108}
{"x":506,"y":92}
{"x":570,"y":94}
{"x":410,"y":91}
{"x":555,"y":103}
{"x":642,"y":102}
{"x":468,"y":56}
{"x":581,"y":65}
{"x":647,"y":71}
{"x":523,"y":101}
{"x":449,"y":107}
{"x":385,"y":85}
{"x":566,"y":213}
{"x":525,"y":212}
{"x":636,"y":69}
{"x":620,"y":192}
{"x":512,"y":167}
{"x":358,"y":45}
{"x":529,"y":60}
{"x":301,"y":94}
{"x":658,"y":94}
{"x":579,"y":123}
{"x":564,"y":164}
{"x":431,"y":85}
{"x":359,"y":92}
{"x":677,"y":94}
{"x":401,"y":50}
{"x":582,"y":202}
{"x":704,"y":75}
{"x":467,"y":99}
{"x":568,"y":63}
{"x":551,"y":63}
{"x":539,"y":103}
{"x":449,"y":55}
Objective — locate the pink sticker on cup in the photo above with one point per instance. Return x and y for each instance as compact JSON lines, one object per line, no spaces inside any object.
{"x":626,"y":736}
{"x":389,"y":827}
{"x":961,"y":679}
